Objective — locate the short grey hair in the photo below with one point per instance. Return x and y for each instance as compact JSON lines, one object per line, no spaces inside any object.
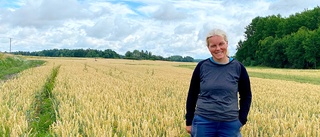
{"x":216,"y":32}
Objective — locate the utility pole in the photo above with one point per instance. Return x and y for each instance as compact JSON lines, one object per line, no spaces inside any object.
{"x":10,"y":41}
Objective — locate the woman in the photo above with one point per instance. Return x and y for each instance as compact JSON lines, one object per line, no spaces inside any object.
{"x":212,"y":102}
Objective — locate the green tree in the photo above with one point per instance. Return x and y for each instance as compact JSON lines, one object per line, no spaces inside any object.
{"x":295,"y":51}
{"x":92,"y":53}
{"x":175,"y":58}
{"x":136,"y":54}
{"x":277,"y":54}
{"x":188,"y":59}
{"x":128,"y":55}
{"x":311,"y":46}
{"x":263,"y":51}
{"x":282,"y":42}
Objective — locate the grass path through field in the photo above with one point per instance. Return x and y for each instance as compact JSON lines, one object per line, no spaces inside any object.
{"x":43,"y":112}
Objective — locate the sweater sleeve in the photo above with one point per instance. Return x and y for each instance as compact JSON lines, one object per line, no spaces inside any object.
{"x":245,"y":95}
{"x":193,"y":93}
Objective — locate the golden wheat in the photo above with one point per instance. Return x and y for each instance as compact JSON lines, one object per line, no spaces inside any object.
{"x":283,"y":108}
{"x":147,"y":98}
{"x":16,"y":97}
{"x":120,"y":98}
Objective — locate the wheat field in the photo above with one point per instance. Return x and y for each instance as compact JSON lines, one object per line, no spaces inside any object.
{"x":134,"y":98}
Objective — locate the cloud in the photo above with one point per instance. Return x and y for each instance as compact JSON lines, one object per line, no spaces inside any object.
{"x":184,"y":29}
{"x":102,"y":28}
{"x":123,"y":28}
{"x":286,"y":8}
{"x":113,"y":29}
{"x":175,"y":27}
{"x":167,"y":12}
{"x":45,"y":13}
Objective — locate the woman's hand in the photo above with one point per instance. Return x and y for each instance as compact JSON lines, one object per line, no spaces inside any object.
{"x":188,"y":128}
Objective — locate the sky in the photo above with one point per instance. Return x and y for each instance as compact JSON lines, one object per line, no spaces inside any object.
{"x":162,"y":27}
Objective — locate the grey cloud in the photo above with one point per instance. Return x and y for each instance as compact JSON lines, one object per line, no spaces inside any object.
{"x":84,"y":43}
{"x":46,"y":12}
{"x":184,"y":29}
{"x":151,"y":35}
{"x":4,"y":29}
{"x":102,"y":28}
{"x":113,"y":29}
{"x":149,"y":40}
{"x":207,"y":27}
{"x":168,"y":12}
{"x":123,"y":28}
{"x":58,"y":10}
{"x":25,"y":32}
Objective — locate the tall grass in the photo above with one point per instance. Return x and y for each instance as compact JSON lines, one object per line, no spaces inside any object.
{"x":14,"y":64}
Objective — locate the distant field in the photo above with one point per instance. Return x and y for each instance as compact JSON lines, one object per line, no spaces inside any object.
{"x":111,"y":97}
{"x":311,"y":76}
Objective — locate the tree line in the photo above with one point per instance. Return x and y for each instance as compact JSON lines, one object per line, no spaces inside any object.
{"x":274,"y":41}
{"x":108,"y":53}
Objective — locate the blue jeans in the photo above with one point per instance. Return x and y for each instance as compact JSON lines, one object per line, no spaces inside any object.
{"x":202,"y":127}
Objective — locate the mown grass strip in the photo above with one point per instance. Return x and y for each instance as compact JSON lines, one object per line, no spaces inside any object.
{"x":42,"y":114}
{"x":187,"y":66}
{"x":301,"y":79}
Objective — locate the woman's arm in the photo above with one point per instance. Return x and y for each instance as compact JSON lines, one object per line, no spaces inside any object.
{"x":245,"y":95}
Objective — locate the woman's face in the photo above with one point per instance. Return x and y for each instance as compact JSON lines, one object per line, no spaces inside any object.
{"x":218,"y":48}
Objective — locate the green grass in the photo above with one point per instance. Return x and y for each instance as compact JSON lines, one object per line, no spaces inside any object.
{"x":11,"y":65}
{"x":5,"y":131}
{"x":301,"y":79}
{"x":43,"y":112}
{"x":187,"y":66}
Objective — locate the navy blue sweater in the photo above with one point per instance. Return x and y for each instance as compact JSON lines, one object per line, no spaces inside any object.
{"x":213,"y":92}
